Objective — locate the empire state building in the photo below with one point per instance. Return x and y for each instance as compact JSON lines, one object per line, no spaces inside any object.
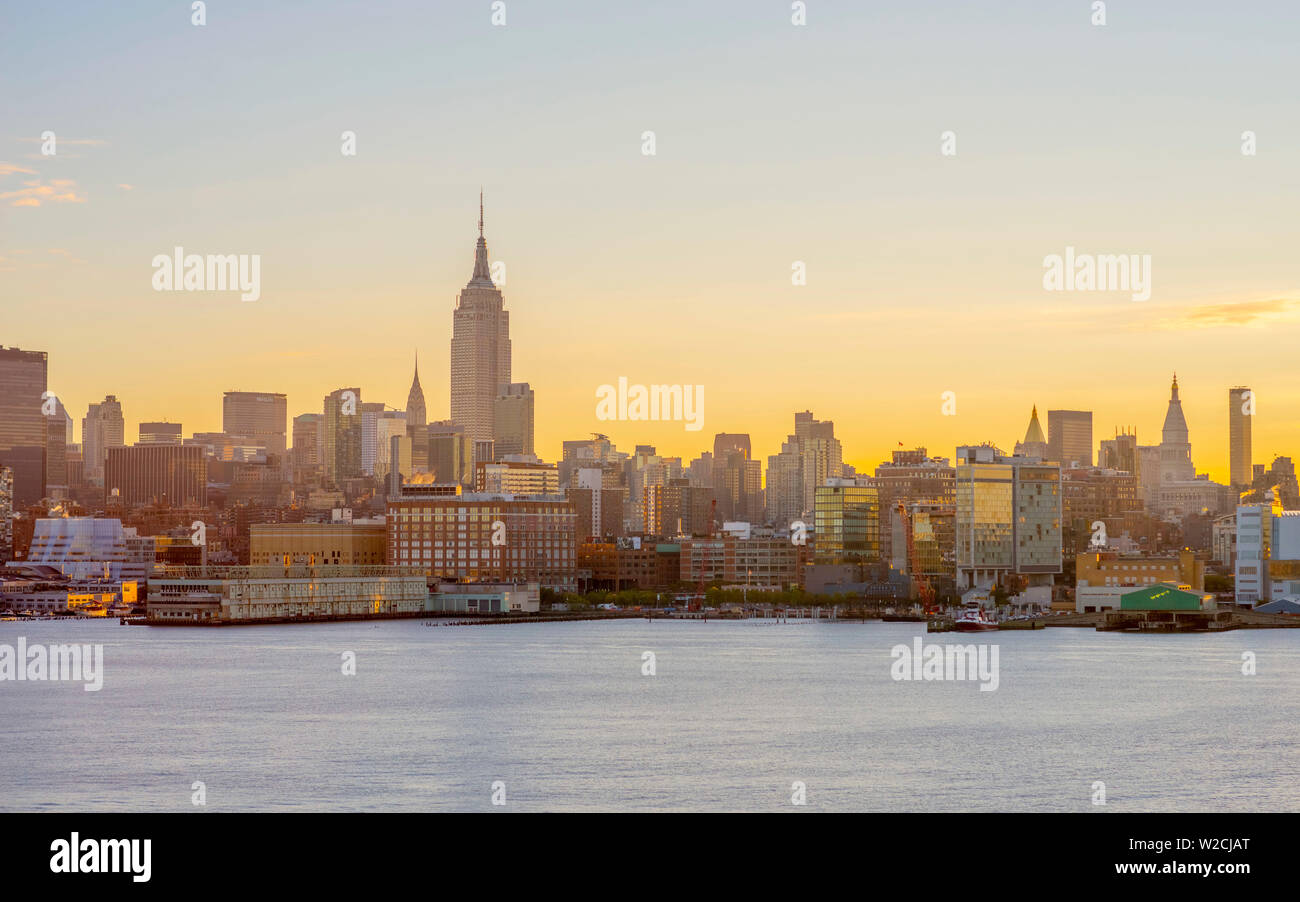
{"x":480,"y":347}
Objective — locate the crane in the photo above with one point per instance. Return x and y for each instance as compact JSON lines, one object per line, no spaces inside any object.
{"x":923,"y":587}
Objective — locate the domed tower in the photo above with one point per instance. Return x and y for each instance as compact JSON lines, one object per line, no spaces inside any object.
{"x":1175,"y":449}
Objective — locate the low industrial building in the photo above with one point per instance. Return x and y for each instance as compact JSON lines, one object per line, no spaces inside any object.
{"x":1103,"y":578}
{"x":487,"y":598}
{"x":269,"y":593}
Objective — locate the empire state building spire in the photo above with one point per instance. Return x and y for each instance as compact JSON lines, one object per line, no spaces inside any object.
{"x":482,"y":272}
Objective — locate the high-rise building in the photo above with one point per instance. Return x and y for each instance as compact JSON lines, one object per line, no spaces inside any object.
{"x":480,"y":348}
{"x":416,"y":415}
{"x":737,"y":479}
{"x":1120,"y":453}
{"x":258,"y":417}
{"x":390,"y":425}
{"x":416,"y":420}
{"x":306,"y":441}
{"x":6,"y":514}
{"x":808,"y":458}
{"x":1175,"y":447}
{"x":513,"y":419}
{"x":1009,"y":514}
{"x":911,"y":477}
{"x":371,"y":411}
{"x":102,"y":428}
{"x":160,"y":433}
{"x":22,"y":422}
{"x":847,"y":522}
{"x":1069,"y":437}
{"x":1255,"y":524}
{"x":341,"y":436}
{"x":448,"y":457}
{"x":58,"y":436}
{"x":1241,"y":412}
{"x":165,"y":475}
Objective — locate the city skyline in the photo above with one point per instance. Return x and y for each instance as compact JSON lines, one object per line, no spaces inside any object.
{"x":672,"y":268}
{"x":482,"y":290}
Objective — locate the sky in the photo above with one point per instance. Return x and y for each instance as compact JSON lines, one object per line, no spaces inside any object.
{"x":774,"y":143}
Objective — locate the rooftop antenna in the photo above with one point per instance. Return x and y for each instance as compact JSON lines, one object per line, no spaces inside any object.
{"x":480,"y":211}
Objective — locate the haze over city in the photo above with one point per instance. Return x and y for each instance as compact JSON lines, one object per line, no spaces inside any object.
{"x":774,"y":145}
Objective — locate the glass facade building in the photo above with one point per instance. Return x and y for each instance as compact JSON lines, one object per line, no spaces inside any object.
{"x":1008,"y":517}
{"x":847,"y":522}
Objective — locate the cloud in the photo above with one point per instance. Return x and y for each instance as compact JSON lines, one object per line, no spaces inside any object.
{"x":86,"y":142}
{"x":126,"y":187}
{"x":61,"y":191}
{"x":11,"y":168}
{"x":1242,"y":313}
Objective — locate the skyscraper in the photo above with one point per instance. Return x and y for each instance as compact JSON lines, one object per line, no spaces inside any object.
{"x":102,"y":428}
{"x":416,"y":415}
{"x":1069,"y":437}
{"x":260,"y":416}
{"x":341,"y":436}
{"x":480,"y":348}
{"x":1241,"y":411}
{"x":306,"y":441}
{"x":22,"y":422}
{"x":1175,"y":448}
{"x":58,"y":436}
{"x":371,"y":411}
{"x":513,"y":419}
{"x":158,"y":473}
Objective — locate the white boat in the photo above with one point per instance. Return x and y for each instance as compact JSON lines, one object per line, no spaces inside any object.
{"x":973,"y":620}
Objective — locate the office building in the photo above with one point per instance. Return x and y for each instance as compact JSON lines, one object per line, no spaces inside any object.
{"x":1069,"y":437}
{"x":513,"y":419}
{"x":1241,"y":414}
{"x":160,"y":434}
{"x":1009,"y":513}
{"x":846,"y":515}
{"x":6,"y":514}
{"x":258,"y":418}
{"x":911,"y":476}
{"x":306,"y":443}
{"x":102,"y":428}
{"x":341,"y":436}
{"x":22,"y":422}
{"x":156,"y":475}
